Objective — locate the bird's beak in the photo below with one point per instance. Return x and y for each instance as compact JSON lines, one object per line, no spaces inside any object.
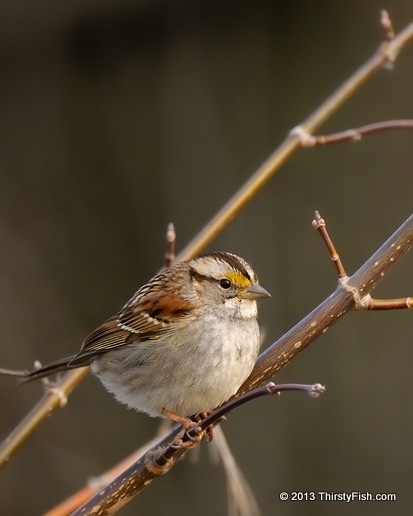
{"x":254,"y":291}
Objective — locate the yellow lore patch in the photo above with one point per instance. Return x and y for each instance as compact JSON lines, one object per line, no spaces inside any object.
{"x":238,"y":278}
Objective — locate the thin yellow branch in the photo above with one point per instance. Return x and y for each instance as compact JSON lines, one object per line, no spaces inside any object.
{"x":387,"y":52}
{"x":54,"y":398}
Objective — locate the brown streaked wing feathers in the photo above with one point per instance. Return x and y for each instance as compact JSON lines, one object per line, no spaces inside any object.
{"x":110,"y":335}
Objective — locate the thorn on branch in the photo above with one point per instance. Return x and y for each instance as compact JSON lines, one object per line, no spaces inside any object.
{"x":320,"y":225}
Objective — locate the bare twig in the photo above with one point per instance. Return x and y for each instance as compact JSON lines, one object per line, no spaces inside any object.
{"x":307,"y":140}
{"x":12,"y":372}
{"x":313,"y":390}
{"x":390,"y":304}
{"x":320,"y":225}
{"x":171,"y":240}
{"x":362,"y":302}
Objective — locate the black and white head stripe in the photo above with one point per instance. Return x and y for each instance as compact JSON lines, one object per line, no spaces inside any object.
{"x":216,"y":265}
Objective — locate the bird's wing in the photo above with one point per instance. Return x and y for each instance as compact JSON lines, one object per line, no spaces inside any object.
{"x":149,"y":319}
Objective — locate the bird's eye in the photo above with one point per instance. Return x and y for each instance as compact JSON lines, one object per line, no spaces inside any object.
{"x":225,"y":283}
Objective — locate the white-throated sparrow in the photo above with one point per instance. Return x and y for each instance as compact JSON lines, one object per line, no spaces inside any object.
{"x":183,"y":344}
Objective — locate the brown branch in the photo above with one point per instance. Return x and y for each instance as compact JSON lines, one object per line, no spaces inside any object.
{"x":71,"y":504}
{"x":320,"y":225}
{"x":341,"y":301}
{"x":162,"y":457}
{"x":365,"y":302}
{"x":76,"y":500}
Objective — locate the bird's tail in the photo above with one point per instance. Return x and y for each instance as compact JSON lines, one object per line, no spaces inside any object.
{"x":43,"y":371}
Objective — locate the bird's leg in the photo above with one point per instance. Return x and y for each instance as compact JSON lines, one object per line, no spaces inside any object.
{"x":186,"y":422}
{"x":189,"y":423}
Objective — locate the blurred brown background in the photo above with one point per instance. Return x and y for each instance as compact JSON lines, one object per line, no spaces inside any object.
{"x":117,"y":118}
